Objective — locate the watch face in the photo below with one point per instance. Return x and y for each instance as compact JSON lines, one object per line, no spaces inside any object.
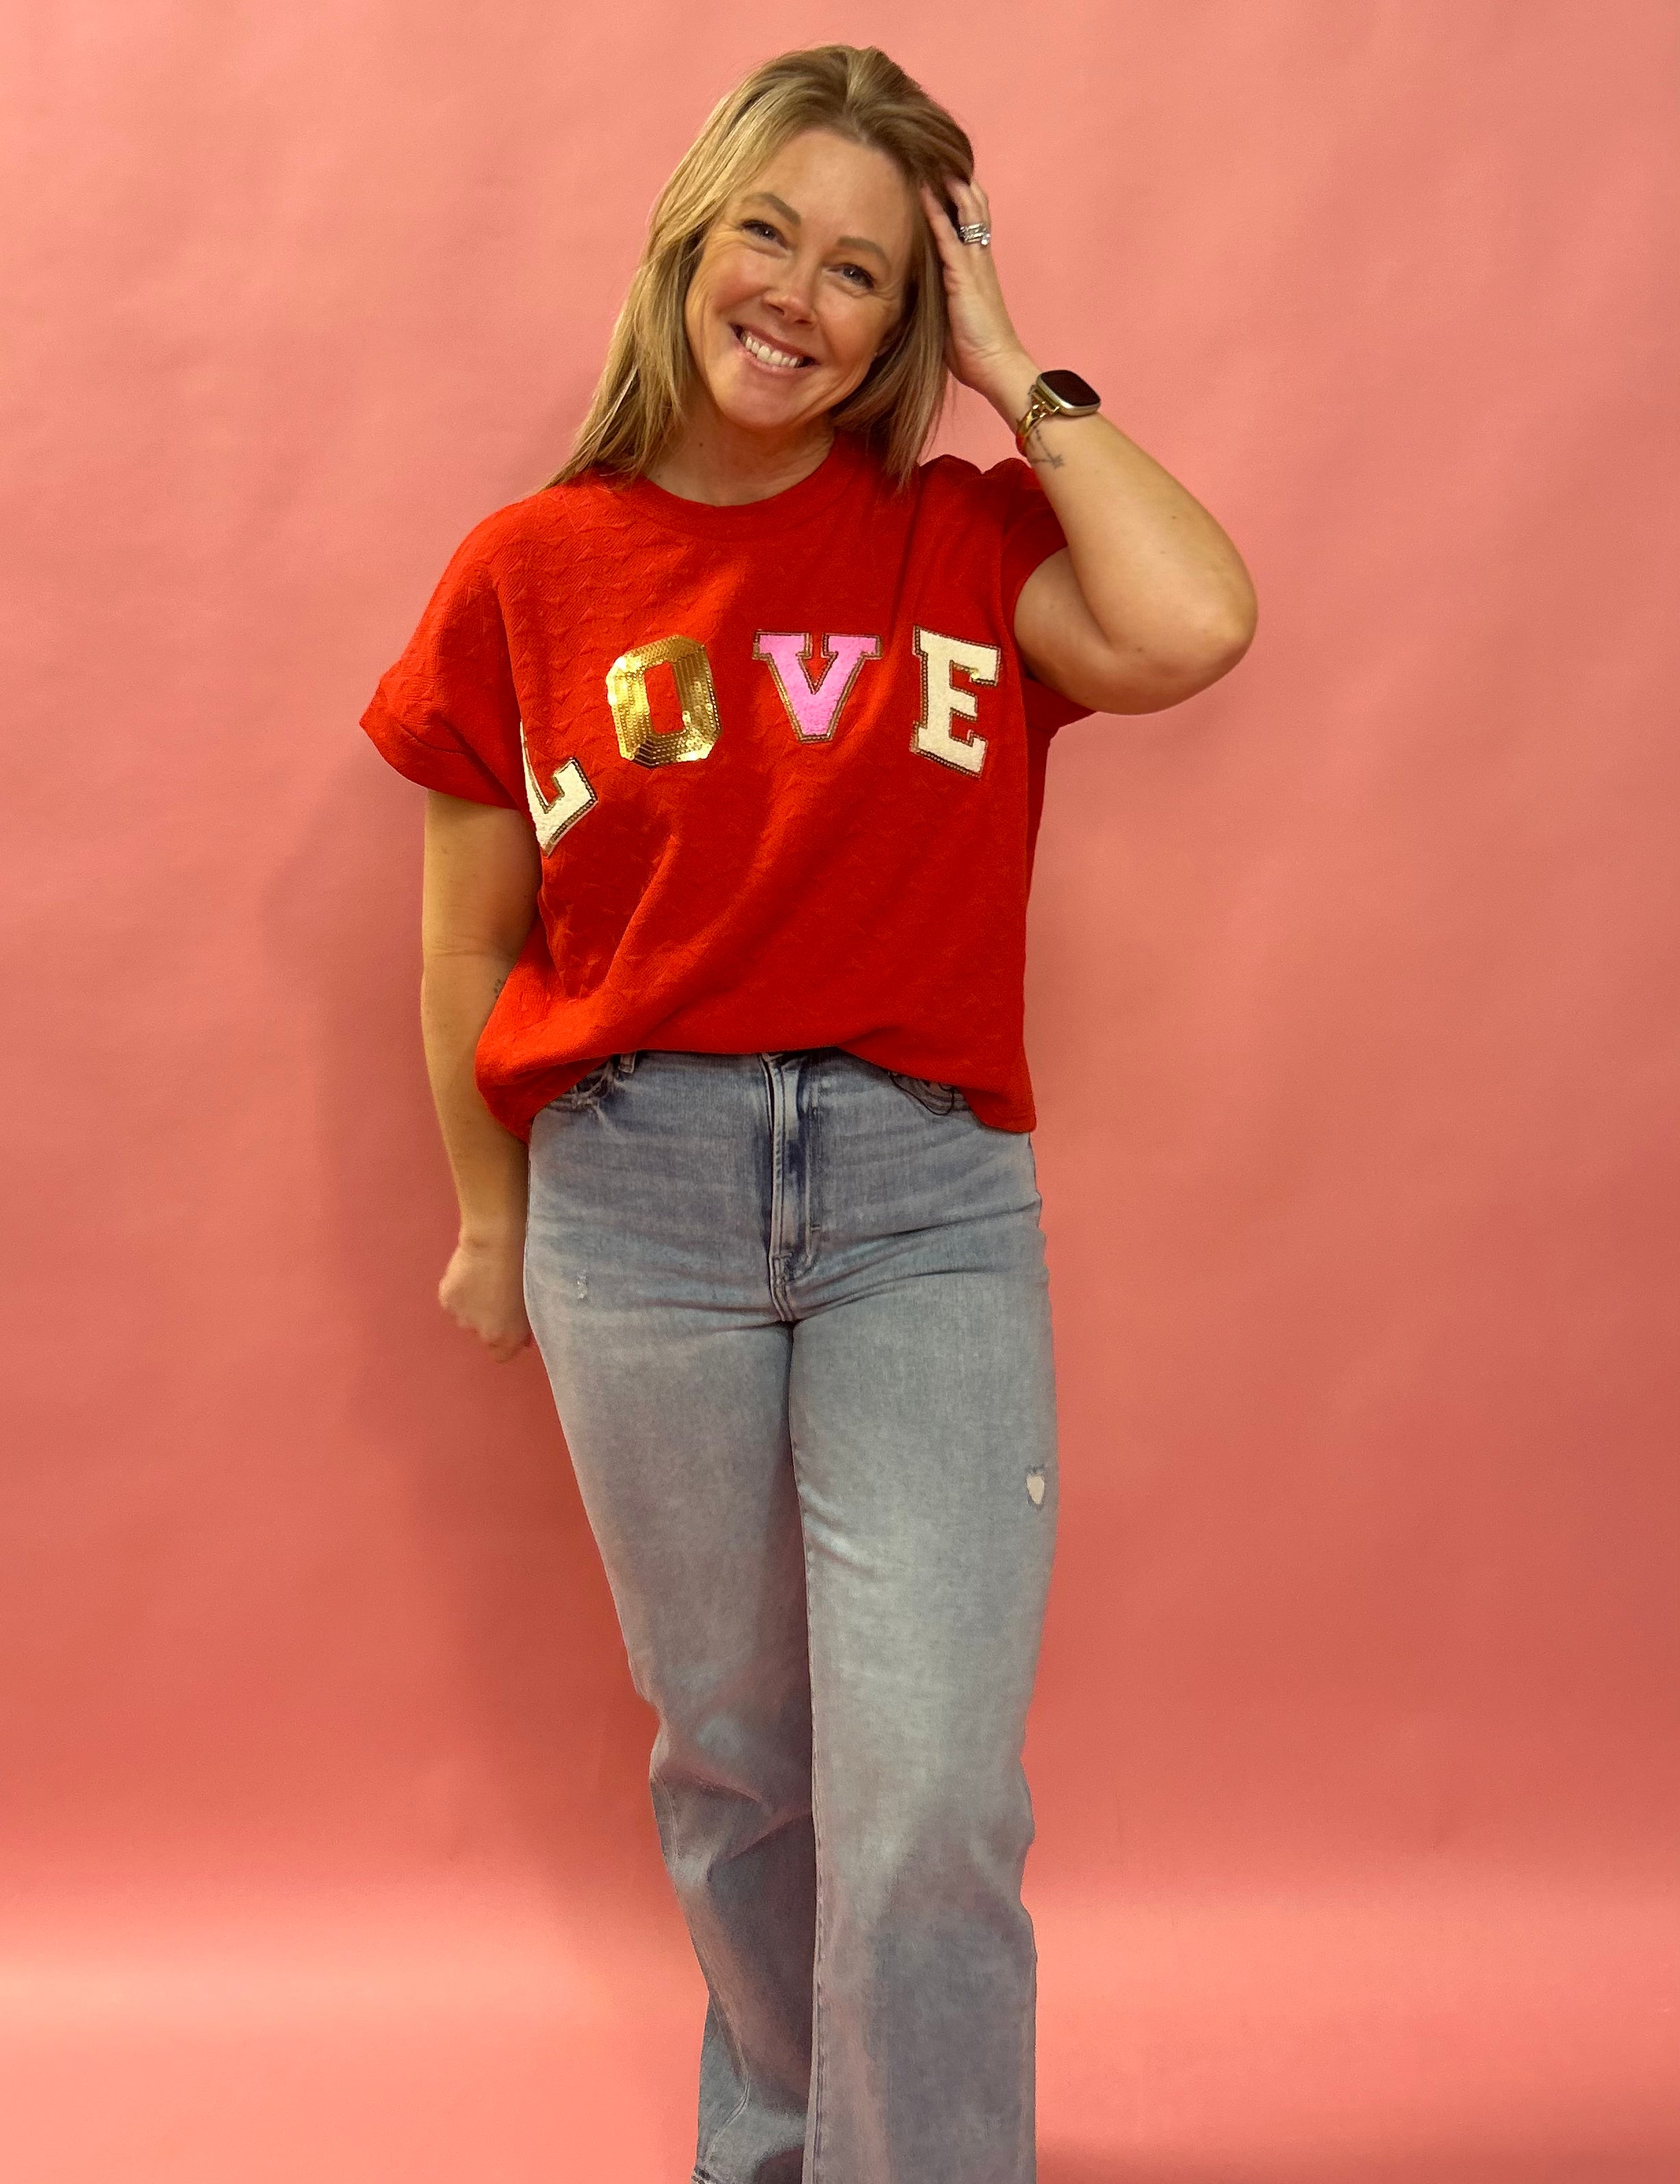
{"x":1068,"y":387}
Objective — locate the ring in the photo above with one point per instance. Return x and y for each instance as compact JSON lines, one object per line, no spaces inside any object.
{"x":976,"y":231}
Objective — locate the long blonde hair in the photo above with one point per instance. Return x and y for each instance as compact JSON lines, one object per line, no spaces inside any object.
{"x":649,"y":376}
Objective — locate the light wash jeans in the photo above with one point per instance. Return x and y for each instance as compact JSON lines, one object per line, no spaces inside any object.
{"x":795,"y":1314}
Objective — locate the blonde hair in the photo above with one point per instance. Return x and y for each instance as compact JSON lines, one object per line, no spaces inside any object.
{"x":650,"y":374}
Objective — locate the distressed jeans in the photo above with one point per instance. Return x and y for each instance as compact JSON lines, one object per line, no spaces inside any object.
{"x":795,"y":1314}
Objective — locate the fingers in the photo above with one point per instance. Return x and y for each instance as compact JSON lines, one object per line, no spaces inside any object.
{"x":969,"y":198}
{"x":944,"y":235}
{"x":969,"y":202}
{"x":504,"y":1341}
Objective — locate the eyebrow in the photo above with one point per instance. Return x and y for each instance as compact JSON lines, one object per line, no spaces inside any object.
{"x":844,"y":241}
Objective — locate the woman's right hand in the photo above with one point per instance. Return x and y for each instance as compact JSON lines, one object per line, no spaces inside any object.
{"x":483,"y":1290}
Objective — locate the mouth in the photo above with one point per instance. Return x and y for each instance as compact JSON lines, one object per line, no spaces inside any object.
{"x":768,"y":356}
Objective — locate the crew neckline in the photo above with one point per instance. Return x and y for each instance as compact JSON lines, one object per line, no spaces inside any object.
{"x":751,"y":519}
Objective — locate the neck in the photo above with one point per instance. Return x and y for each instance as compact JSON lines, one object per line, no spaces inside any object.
{"x":728,"y":465}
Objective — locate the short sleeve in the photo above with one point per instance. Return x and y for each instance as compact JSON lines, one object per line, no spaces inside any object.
{"x":1032,"y":532}
{"x":447,"y":715}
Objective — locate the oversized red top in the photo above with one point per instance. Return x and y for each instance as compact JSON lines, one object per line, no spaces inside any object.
{"x":783,"y":762}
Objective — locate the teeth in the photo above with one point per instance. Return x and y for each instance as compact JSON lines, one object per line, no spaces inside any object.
{"x":763,"y":349}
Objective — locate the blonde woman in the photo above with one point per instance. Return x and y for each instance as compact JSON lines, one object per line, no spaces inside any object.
{"x":735,"y":736}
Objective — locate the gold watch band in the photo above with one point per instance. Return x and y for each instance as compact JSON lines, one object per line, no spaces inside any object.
{"x":1037,"y":408}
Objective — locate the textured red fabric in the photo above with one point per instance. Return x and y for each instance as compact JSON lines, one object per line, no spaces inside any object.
{"x":835,"y":869}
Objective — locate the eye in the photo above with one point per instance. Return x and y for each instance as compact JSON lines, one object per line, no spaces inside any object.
{"x":764,"y":224}
{"x":868,"y":279}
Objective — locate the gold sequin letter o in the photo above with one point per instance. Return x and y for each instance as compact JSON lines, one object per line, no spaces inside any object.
{"x":627,"y":695}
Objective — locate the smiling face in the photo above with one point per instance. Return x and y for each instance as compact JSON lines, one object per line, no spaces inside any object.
{"x":800,"y":282}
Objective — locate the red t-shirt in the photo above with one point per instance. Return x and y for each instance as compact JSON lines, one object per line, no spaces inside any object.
{"x":783,"y":761}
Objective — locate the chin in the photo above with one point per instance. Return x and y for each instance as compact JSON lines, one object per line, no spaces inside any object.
{"x":749,"y":407}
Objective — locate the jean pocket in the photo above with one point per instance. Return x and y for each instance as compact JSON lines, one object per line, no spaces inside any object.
{"x":593,"y":1086}
{"x":937,"y":1098}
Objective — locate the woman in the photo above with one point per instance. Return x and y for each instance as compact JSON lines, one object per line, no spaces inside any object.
{"x":735,"y":736}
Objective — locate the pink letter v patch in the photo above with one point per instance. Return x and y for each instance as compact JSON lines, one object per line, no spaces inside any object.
{"x":814,"y":708}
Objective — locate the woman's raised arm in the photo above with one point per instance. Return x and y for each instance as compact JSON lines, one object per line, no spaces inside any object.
{"x":482,"y":872}
{"x":1150,"y":602}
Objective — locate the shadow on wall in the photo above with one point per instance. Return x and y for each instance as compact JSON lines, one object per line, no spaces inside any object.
{"x":559,"y":1767}
{"x":1456,"y":2164}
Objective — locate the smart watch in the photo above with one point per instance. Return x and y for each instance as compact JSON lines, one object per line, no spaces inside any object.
{"x":1056,"y":395}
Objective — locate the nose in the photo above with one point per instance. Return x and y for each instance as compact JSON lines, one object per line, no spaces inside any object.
{"x":792,"y":295}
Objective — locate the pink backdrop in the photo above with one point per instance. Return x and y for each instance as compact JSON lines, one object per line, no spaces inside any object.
{"x":325,"y":1847}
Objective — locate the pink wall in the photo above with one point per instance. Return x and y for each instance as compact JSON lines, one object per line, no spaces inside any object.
{"x":1351,"y":1007}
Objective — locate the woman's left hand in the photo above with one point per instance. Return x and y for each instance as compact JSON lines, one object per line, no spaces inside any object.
{"x":986,"y":349}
